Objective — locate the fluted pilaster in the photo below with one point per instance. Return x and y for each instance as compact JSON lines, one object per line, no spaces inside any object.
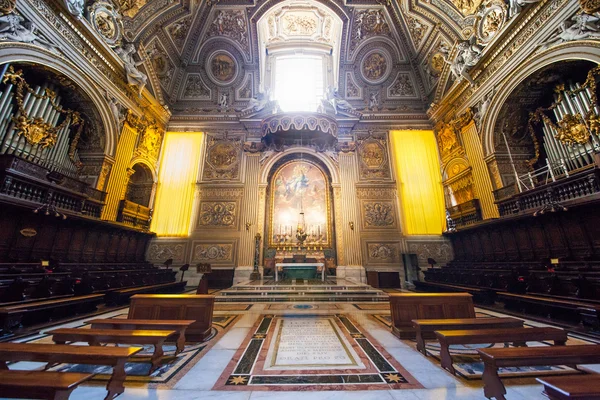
{"x":250,"y":211}
{"x":117,"y":181}
{"x":347,"y":206}
{"x":481,"y":176}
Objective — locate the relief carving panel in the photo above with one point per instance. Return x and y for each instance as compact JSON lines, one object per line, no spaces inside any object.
{"x":163,"y":251}
{"x":378,"y":214}
{"x":214,"y":253}
{"x":383,"y":252}
{"x":218,"y":214}
{"x":222,"y":159}
{"x":373,"y":158}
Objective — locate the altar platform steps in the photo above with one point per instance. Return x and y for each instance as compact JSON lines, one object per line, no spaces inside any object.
{"x":255,"y":292}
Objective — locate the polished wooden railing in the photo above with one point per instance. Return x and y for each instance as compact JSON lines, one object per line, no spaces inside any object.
{"x":466,"y":214}
{"x":134,"y":214}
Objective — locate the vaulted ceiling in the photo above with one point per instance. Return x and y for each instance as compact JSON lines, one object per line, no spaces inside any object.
{"x":409,"y":37}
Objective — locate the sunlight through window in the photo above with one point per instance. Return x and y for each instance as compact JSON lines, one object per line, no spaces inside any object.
{"x":299,"y":82}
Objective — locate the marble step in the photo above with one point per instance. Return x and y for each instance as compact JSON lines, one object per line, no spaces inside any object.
{"x":305,"y":297}
{"x":300,"y":287}
{"x":302,"y":292}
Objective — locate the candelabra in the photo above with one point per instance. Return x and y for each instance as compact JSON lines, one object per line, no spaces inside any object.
{"x":49,"y":209}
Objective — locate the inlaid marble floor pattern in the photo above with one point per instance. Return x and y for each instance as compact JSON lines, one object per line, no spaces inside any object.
{"x":202,"y":380}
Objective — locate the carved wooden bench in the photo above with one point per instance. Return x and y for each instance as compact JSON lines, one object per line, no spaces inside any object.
{"x":582,"y":387}
{"x":51,"y":354}
{"x":13,"y":315}
{"x":518,"y":336}
{"x":425,"y":327}
{"x":530,"y":356}
{"x":94,"y":337}
{"x":121,"y":296}
{"x":40,"y":384}
{"x":135,"y":324}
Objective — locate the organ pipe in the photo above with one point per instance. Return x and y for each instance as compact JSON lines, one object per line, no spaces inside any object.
{"x":574,"y":101}
{"x":55,"y":156}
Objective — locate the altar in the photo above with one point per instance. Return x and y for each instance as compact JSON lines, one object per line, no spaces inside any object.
{"x":299,"y":270}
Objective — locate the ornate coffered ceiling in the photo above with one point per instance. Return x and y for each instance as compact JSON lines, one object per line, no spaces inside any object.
{"x":205,"y":52}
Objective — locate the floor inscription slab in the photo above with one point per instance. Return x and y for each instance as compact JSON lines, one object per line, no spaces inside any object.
{"x":310,"y":343}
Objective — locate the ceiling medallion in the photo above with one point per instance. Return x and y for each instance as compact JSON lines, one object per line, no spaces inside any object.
{"x":106,"y":20}
{"x":375,"y":66}
{"x":222,"y":67}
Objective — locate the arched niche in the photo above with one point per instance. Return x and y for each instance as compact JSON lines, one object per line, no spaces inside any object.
{"x":574,"y":51}
{"x":327,"y":162}
{"x":18,"y":53}
{"x":296,"y":182}
{"x":140,"y":188}
{"x":530,"y":87}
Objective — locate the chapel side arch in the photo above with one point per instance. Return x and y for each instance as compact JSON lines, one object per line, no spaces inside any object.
{"x":24,"y":53}
{"x":572,"y":51}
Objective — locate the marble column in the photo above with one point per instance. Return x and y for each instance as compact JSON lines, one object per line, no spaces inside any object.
{"x":117,"y":181}
{"x":481,"y":176}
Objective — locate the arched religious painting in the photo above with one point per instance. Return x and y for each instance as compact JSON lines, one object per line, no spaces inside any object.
{"x":300,"y":186}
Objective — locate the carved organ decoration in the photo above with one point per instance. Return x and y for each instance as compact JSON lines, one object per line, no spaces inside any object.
{"x":231,"y":24}
{"x":367,"y":23}
{"x":107,"y":22}
{"x":373,"y":157}
{"x":570,"y":137}
{"x":222,"y":160}
{"x":36,"y":132}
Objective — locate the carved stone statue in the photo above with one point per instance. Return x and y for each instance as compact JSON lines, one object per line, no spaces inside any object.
{"x":373,"y":101}
{"x":14,"y":27}
{"x":468,"y":55}
{"x":580,"y":27}
{"x":336,"y":101}
{"x":257,"y":103}
{"x":483,"y":107}
{"x":115,"y":108}
{"x":223,"y":100}
{"x":75,"y":7}
{"x":515,"y":6}
{"x":135,"y":77}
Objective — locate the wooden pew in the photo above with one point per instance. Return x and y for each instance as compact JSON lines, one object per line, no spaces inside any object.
{"x":135,"y":324}
{"x":425,"y":328}
{"x":122,"y":296}
{"x":40,"y":384}
{"x":13,"y":315}
{"x":406,"y":307}
{"x":114,"y":357}
{"x":197,"y":307}
{"x":96,"y":336}
{"x":581,"y":387}
{"x":518,"y":336}
{"x":530,"y":356}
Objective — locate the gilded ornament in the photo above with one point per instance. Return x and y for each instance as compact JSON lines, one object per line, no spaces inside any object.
{"x":467,"y":7}
{"x":375,"y":67}
{"x":590,"y":6}
{"x":379,"y":214}
{"x":7,"y":6}
{"x":571,"y":130}
{"x":35,"y":130}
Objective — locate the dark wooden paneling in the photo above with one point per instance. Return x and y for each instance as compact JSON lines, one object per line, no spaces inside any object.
{"x":574,"y":234}
{"x":70,"y":240}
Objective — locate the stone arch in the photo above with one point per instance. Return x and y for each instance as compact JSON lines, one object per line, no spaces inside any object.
{"x":142,"y":184}
{"x":575,"y":51}
{"x":26,"y":53}
{"x":332,"y":168}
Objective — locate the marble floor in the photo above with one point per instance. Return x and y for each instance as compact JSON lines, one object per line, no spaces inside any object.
{"x":342,"y":327}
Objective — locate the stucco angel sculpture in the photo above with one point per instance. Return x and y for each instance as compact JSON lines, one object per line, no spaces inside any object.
{"x":468,"y":55}
{"x":135,"y":77}
{"x":580,"y":27}
{"x":334,"y":99}
{"x":14,"y":27}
